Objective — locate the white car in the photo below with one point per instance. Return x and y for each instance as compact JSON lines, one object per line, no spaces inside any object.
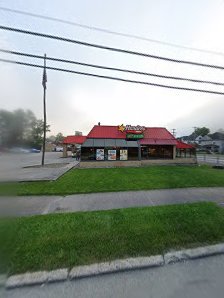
{"x":58,"y":149}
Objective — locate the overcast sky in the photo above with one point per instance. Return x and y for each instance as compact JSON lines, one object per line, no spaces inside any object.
{"x":76,"y":102}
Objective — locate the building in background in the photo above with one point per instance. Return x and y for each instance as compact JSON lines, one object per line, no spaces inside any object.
{"x":123,"y":143}
{"x":72,"y":143}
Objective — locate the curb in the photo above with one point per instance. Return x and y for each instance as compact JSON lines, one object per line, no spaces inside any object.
{"x":36,"y":278}
{"x":194,"y":253}
{"x":43,"y":277}
{"x":116,"y":266}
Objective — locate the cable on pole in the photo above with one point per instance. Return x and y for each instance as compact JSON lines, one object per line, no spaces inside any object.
{"x":123,"y":34}
{"x":113,"y":78}
{"x":103,"y":47}
{"x":113,"y":68}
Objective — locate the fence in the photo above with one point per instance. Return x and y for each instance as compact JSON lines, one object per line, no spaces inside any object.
{"x":210,"y":159}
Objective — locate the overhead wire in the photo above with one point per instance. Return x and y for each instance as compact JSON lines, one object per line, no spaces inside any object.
{"x":107,"y":31}
{"x":103,"y":47}
{"x":112,"y":68}
{"x":113,"y":78}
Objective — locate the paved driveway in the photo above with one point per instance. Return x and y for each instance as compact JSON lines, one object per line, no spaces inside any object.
{"x":202,"y":278}
{"x":26,"y":166}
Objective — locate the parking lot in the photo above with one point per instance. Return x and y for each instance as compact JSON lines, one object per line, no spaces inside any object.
{"x":27,"y":166}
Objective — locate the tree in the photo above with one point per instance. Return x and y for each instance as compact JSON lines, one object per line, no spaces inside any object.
{"x":20,"y":128}
{"x":51,"y":138}
{"x":201,"y":131}
{"x":37,"y":132}
{"x":59,"y":138}
{"x":15,"y":127}
{"x":78,"y":133}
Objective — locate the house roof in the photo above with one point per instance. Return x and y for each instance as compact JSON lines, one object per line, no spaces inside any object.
{"x":74,"y":140}
{"x":204,"y":138}
{"x":181,"y":145}
{"x":112,"y":132}
{"x":217,"y":136}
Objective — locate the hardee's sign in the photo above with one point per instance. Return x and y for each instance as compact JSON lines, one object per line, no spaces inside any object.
{"x":131,"y":129}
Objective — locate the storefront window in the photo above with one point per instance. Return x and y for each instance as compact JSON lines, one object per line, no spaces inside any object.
{"x":109,"y":153}
{"x":112,"y":154}
{"x":133,"y":153}
{"x":152,"y":152}
{"x":123,"y":154}
{"x":88,"y":153}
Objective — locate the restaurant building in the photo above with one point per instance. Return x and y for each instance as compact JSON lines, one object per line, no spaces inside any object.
{"x":72,"y":142}
{"x":123,"y":143}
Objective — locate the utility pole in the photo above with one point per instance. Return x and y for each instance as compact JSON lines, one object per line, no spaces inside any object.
{"x":44,"y":81}
{"x":173,"y":131}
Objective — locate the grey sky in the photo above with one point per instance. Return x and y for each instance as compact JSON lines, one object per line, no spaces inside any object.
{"x":76,"y":102}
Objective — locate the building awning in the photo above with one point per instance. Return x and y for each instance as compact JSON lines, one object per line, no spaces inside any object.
{"x":132,"y":144}
{"x":88,"y":143}
{"x":109,"y":143}
{"x":158,"y":142}
{"x":182,"y":145}
{"x":74,"y":140}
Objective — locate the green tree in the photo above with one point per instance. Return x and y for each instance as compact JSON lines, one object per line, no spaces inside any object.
{"x":201,"y":131}
{"x":59,"y":138}
{"x":51,"y":138}
{"x":37,"y":132}
{"x":15,"y":127}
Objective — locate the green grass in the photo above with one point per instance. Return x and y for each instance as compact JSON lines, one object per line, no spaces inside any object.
{"x":53,"y":241}
{"x":122,"y":179}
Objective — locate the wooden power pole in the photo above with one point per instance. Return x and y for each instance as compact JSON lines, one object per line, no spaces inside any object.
{"x":44,"y":81}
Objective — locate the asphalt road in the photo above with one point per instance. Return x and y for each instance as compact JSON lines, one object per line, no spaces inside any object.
{"x":31,"y":205}
{"x":202,"y":278}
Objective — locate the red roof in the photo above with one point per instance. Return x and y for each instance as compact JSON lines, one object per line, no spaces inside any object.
{"x":74,"y":140}
{"x":112,"y":132}
{"x":158,"y":142}
{"x":158,"y":133}
{"x":106,"y":132}
{"x":181,"y":145}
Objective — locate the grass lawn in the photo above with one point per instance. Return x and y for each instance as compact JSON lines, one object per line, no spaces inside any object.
{"x":53,"y":241}
{"x":121,"y":179}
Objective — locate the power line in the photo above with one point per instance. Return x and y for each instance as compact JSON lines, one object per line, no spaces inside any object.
{"x":113,"y":68}
{"x":113,"y":78}
{"x":83,"y":43}
{"x":111,"y":31}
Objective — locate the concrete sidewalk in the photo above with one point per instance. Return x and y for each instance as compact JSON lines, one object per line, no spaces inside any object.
{"x":31,"y":205}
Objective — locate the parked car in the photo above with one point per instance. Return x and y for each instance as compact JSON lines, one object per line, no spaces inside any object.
{"x":58,"y":149}
{"x":34,"y":150}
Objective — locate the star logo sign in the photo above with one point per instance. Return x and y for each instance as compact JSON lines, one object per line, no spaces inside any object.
{"x":121,"y":128}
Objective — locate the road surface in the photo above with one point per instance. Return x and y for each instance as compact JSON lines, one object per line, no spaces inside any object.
{"x":202,"y":278}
